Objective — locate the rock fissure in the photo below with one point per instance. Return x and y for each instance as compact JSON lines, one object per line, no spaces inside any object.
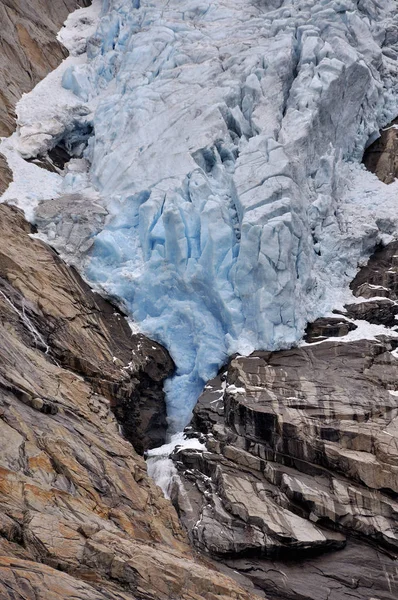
{"x":301,"y":451}
{"x":76,"y":489}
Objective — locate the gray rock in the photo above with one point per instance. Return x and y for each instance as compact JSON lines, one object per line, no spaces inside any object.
{"x":328,"y":327}
{"x":382,"y":311}
{"x":381,"y":157}
{"x":70,"y":223}
{"x":302,"y":459}
{"x":298,"y":486}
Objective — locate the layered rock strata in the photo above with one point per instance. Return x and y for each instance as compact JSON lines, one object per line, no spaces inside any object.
{"x":81,"y":331}
{"x":297,"y":487}
{"x":79,"y":517}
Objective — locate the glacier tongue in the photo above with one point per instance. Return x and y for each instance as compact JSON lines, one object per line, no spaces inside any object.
{"x":226,"y":144}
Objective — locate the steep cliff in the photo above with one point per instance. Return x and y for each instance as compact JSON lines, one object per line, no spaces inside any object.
{"x":79,"y":517}
{"x":28,"y":51}
{"x":298,"y":482}
{"x":224,"y":141}
{"x":28,"y":48}
{"x":215,"y":190}
{"x":73,"y":493}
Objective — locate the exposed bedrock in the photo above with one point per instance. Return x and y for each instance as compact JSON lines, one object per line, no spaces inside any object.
{"x":377,"y":285}
{"x":380,"y":276}
{"x":74,"y":496}
{"x":28,"y":48}
{"x":56,"y":311}
{"x":381,"y":157}
{"x":326,"y":327}
{"x":5,"y":174}
{"x":297,"y":487}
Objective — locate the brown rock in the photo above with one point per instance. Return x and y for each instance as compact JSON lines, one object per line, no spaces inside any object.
{"x":381,"y":157}
{"x":5,"y":174}
{"x":28,"y":48}
{"x":85,"y":333}
{"x":380,"y":276}
{"x":328,"y":327}
{"x":73,"y":493}
{"x":382,"y":311}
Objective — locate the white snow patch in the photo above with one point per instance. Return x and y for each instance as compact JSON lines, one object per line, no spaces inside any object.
{"x":30,"y":182}
{"x":232,"y":389}
{"x":42,"y":116}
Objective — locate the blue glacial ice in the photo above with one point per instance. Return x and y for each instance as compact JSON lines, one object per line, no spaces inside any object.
{"x":225,"y":139}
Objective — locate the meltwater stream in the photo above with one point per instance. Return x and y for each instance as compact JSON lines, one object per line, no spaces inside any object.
{"x":161,"y":468}
{"x":225,"y":158}
{"x":37,"y":337}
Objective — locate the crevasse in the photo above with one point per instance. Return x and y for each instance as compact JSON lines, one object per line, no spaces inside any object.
{"x":226,"y":144}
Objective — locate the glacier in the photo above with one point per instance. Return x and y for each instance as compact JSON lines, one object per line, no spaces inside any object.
{"x":226,"y":148}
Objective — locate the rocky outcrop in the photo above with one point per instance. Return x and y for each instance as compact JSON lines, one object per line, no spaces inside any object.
{"x":28,"y":48}
{"x":79,"y":517}
{"x":376,"y":290}
{"x":5,"y":174}
{"x":298,"y":483}
{"x":301,"y":460}
{"x":380,"y":276}
{"x":381,"y":157}
{"x":82,"y":331}
{"x":326,"y":327}
{"x":377,"y":286}
{"x":70,"y":223}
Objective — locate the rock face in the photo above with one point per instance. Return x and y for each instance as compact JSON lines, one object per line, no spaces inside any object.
{"x":377,"y":284}
{"x":74,"y":218}
{"x":74,"y":496}
{"x":84,"y":332}
{"x":381,"y":157}
{"x":298,"y":485}
{"x":79,"y":517}
{"x":28,"y":48}
{"x":5,"y":174}
{"x":324,"y":327}
{"x":380,"y":276}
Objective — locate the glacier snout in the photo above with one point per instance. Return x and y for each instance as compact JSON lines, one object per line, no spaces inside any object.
{"x":226,"y":138}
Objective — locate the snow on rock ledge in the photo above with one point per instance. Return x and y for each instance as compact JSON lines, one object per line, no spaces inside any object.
{"x":223,"y":135}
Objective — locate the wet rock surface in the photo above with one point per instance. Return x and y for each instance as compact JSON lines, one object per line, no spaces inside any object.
{"x":80,"y":330}
{"x":79,"y":517}
{"x":298,"y":485}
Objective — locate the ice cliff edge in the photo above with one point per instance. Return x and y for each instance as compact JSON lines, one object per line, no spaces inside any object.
{"x":225,"y":151}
